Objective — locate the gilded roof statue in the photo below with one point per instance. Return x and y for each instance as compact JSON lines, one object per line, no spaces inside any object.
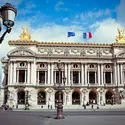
{"x":25,"y":35}
{"x":120,"y":38}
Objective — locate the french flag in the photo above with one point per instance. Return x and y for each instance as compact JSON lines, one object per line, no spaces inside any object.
{"x":87,"y":35}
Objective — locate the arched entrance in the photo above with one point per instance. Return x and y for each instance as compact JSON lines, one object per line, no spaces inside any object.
{"x":57,"y":97}
{"x":21,"y":97}
{"x":92,"y":97}
{"x":75,"y":98}
{"x":109,"y":97}
{"x":41,"y":98}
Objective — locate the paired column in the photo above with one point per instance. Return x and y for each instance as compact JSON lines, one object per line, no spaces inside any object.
{"x":69,"y":74}
{"x":118,"y":75}
{"x":98,"y":74}
{"x":52,"y":67}
{"x":85,"y":74}
{"x":121,"y":72}
{"x":48,"y":73}
{"x":102,"y":82}
{"x":82,"y":75}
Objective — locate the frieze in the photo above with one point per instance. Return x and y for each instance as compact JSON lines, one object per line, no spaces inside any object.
{"x":20,"y":52}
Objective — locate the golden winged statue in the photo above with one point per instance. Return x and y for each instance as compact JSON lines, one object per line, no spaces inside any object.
{"x":120,"y":38}
{"x":25,"y":35}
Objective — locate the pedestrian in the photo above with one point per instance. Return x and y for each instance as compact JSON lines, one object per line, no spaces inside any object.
{"x":48,"y":106}
{"x":92,"y":106}
{"x":51,"y":107}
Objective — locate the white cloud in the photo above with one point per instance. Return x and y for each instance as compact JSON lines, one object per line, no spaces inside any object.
{"x":60,"y":6}
{"x":105,"y":31}
{"x":94,"y":14}
{"x":65,"y":19}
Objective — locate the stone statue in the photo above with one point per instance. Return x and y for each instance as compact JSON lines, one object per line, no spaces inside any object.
{"x":25,"y":35}
{"x":120,"y":38}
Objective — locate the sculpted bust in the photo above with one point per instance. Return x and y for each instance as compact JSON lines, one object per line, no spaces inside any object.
{"x":120,"y":38}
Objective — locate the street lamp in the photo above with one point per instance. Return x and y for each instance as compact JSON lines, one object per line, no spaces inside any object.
{"x":7,"y":17}
{"x":59,"y":88}
{"x":26,"y":100}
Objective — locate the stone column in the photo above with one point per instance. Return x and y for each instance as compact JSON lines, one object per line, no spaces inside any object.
{"x":14,"y":74}
{"x":104,"y":77}
{"x":111,"y":77}
{"x":66,"y":74}
{"x":95,"y":77}
{"x":17,"y":76}
{"x":45,"y":77}
{"x":48,"y":73}
{"x":79,"y":78}
{"x":25,"y":76}
{"x":115,"y":73}
{"x":69,"y":74}
{"x":85,"y":74}
{"x":52,"y":67}
{"x":82,"y":75}
{"x":118,"y":75}
{"x":102,"y":82}
{"x":11,"y":73}
{"x":28,"y":75}
{"x":33,"y":72}
{"x":98,"y":74}
{"x":121,"y":71}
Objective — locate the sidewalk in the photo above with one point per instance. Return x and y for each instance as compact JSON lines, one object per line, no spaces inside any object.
{"x":101,"y":108}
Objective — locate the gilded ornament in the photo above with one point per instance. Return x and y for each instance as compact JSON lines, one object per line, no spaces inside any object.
{"x":25,"y":35}
{"x":120,"y":38}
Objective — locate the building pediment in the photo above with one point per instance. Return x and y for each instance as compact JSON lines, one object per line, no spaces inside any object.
{"x":21,"y":52}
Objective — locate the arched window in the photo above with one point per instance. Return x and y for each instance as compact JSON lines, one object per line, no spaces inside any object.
{"x":109,"y":97}
{"x":92,"y":97}
{"x":21,"y":97}
{"x":41,"y":98}
{"x":107,"y":66}
{"x":42,"y":65}
{"x":75,"y":66}
{"x":76,"y":98}
{"x":91,"y":66}
{"x":22,"y":64}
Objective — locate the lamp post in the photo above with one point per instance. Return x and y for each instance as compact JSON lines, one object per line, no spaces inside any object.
{"x":26,"y":100}
{"x":7,"y":17}
{"x":59,"y":88}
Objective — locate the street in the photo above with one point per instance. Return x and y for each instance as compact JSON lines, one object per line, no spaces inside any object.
{"x":71,"y":118}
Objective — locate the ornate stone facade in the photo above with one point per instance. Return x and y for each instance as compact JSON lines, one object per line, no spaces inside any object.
{"x":95,"y":73}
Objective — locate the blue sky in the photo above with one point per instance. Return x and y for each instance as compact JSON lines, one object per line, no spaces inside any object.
{"x":50,"y":20}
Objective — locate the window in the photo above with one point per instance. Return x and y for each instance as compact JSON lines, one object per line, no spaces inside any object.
{"x":42,"y":65}
{"x":107,"y":66}
{"x":41,"y":76}
{"x":91,"y":66}
{"x":108,"y":77}
{"x":22,"y":76}
{"x":91,"y":77}
{"x":75,"y":77}
{"x":22,"y":64}
{"x":57,"y":76}
{"x":75,"y":66}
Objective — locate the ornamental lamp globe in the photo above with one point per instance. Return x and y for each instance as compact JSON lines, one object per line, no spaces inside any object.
{"x":8,"y":13}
